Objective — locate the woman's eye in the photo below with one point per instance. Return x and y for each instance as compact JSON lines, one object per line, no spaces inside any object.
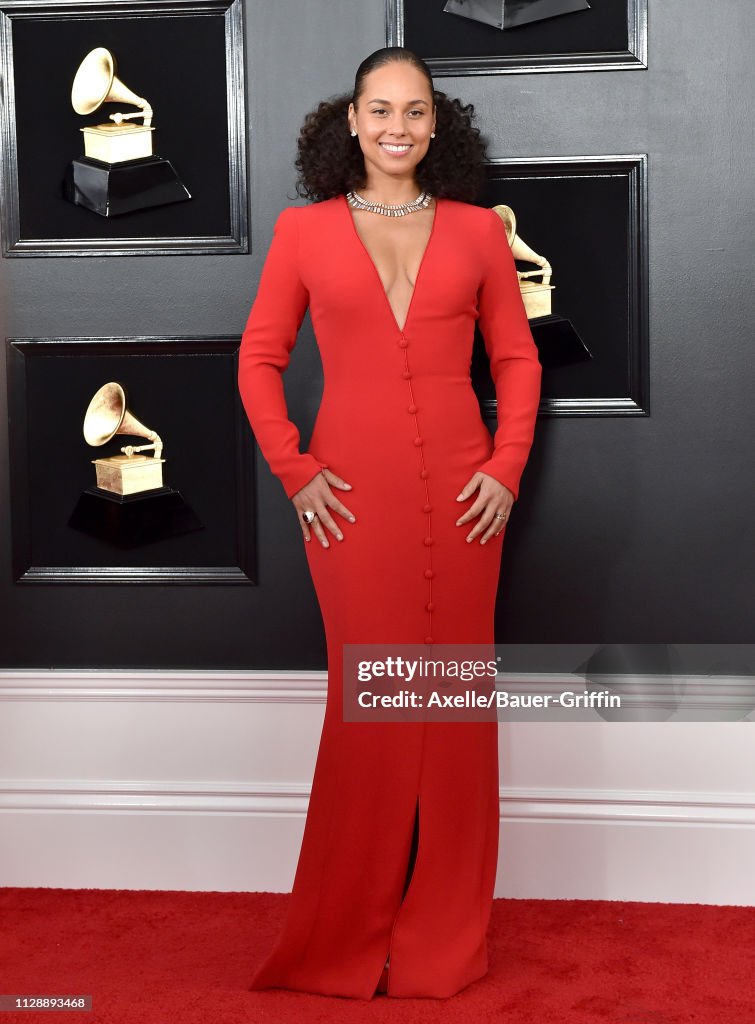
{"x":381,"y":110}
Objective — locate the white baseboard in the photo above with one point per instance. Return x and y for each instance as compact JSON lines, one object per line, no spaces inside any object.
{"x":200,"y":780}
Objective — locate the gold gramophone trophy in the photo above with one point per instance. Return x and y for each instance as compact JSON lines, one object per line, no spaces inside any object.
{"x":557,"y":340}
{"x":129,"y":505}
{"x":119,"y":173}
{"x":130,"y":472}
{"x":535,"y":294}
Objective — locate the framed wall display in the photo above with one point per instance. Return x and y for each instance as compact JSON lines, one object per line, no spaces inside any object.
{"x":178,"y":509}
{"x":493,"y":37}
{"x":578,"y":229}
{"x":123,"y":128}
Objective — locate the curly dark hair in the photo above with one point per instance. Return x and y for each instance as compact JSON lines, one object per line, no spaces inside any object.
{"x":330,"y":161}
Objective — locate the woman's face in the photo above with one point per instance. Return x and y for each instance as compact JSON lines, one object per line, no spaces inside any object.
{"x":394,"y":119}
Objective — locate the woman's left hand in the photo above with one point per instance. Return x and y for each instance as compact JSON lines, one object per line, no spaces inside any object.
{"x":493,"y":498}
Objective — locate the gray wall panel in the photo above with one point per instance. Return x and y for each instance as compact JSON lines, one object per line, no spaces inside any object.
{"x":634,"y":529}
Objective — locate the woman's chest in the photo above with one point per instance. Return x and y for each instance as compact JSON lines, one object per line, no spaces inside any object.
{"x":346,"y":279}
{"x":395,"y":245}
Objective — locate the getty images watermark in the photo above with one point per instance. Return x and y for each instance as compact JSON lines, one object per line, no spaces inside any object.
{"x":548,"y":682}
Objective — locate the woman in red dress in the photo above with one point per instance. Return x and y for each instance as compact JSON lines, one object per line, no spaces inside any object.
{"x":402,"y":498}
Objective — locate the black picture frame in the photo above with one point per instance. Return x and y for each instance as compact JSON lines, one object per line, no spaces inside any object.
{"x":614,"y":38}
{"x":183,"y":388}
{"x":160,"y":47}
{"x":588,"y":216}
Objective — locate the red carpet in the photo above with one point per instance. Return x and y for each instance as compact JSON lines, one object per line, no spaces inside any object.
{"x":187,"y":957}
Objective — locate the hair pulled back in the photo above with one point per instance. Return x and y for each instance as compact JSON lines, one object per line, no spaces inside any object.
{"x":330,"y":161}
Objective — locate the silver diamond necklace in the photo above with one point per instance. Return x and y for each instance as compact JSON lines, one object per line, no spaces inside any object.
{"x":389,"y":209}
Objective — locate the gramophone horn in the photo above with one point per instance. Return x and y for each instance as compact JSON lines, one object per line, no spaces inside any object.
{"x":96,"y":83}
{"x":519,"y":248}
{"x":508,"y":217}
{"x":107,"y":416}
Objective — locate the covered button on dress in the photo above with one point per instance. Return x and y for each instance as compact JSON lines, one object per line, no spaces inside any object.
{"x":399,"y":421}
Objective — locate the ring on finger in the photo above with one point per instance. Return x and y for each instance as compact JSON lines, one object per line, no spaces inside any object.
{"x":309,"y":516}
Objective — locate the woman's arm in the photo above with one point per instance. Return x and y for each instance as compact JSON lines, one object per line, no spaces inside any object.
{"x":514,"y":364}
{"x":266,"y":344}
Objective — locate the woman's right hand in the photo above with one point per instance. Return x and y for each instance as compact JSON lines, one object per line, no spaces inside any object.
{"x":316,"y":496}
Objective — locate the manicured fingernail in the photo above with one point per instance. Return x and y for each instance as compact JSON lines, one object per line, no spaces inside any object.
{"x":458,"y":522}
{"x":339,"y":536}
{"x":459,"y":497}
{"x":352,"y":519}
{"x":325,"y":544}
{"x":469,"y":539}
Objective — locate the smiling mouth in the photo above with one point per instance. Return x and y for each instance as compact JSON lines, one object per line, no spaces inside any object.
{"x":394,"y":148}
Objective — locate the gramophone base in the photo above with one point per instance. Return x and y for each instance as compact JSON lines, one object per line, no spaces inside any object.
{"x":511,"y":13}
{"x":130,"y":520}
{"x":558,"y":343}
{"x":114,"y":189}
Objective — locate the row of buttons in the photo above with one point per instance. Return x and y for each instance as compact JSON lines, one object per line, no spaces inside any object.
{"x":427,"y":508}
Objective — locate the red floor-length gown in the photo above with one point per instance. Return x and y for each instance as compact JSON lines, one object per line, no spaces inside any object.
{"x":400,"y":422}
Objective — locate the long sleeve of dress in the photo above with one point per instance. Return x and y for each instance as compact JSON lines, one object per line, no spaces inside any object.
{"x":264,"y":354}
{"x":514,"y":363}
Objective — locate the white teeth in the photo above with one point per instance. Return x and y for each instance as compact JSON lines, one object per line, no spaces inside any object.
{"x":395,"y":149}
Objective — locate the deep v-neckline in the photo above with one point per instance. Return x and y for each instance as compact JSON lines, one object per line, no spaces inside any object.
{"x":400,"y":327}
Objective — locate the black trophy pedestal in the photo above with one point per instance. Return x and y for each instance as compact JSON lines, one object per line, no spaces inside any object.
{"x":558,"y":343}
{"x":130,"y":520}
{"x":112,"y":189}
{"x":516,"y":13}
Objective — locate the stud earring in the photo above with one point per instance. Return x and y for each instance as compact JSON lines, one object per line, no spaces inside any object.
{"x":353,"y":134}
{"x":432,"y":135}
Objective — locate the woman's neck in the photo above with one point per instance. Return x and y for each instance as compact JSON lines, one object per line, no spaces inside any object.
{"x":389,"y":190}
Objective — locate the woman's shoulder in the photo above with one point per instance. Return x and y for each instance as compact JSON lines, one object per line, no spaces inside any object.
{"x":469,"y":213}
{"x":312,"y":212}
{"x":292,"y":221}
{"x":480,"y":225}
